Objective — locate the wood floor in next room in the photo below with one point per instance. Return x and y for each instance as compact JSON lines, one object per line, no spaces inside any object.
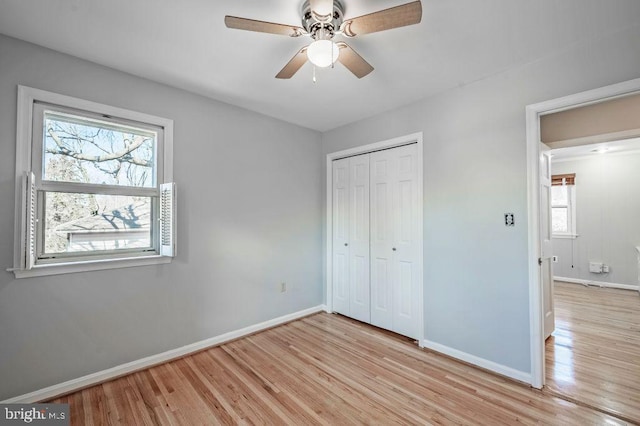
{"x":323,"y":369}
{"x":594,"y":354}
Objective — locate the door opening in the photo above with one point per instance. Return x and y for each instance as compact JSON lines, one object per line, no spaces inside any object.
{"x":535,"y":214}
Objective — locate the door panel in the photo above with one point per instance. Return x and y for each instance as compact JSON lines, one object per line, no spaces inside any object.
{"x":379,"y":215}
{"x":341,"y":283}
{"x":380,"y":292}
{"x":360,"y":276}
{"x":406,"y":240}
{"x":361,"y":212}
{"x":394,"y":240}
{"x":340,"y":220}
{"x":546,"y":246}
{"x":359,"y":293}
{"x":405,"y":308}
{"x":405,"y":211}
{"x":381,"y":240}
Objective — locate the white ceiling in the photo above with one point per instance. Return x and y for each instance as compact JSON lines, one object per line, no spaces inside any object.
{"x":185,"y":44}
{"x":626,"y":146}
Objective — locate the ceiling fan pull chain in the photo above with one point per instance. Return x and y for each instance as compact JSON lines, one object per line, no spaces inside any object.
{"x":333,"y":58}
{"x":314,"y":73}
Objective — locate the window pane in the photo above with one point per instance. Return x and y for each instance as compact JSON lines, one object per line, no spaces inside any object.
{"x":88,"y":222}
{"x":560,"y":219}
{"x":559,"y":195}
{"x":78,"y":149}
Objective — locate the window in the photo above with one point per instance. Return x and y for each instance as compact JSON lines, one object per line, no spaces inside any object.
{"x":94,"y":191}
{"x":563,"y":217}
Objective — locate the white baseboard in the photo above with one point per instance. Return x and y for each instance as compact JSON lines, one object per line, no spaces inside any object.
{"x":141,"y":364}
{"x":597,"y":283}
{"x":503,"y":370}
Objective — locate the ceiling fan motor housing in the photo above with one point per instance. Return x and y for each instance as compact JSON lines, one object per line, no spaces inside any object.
{"x":322,"y":30}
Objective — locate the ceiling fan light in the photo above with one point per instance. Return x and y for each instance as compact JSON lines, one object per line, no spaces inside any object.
{"x":323,"y":53}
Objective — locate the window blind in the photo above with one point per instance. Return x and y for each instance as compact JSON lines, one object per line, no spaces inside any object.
{"x":566,"y":179}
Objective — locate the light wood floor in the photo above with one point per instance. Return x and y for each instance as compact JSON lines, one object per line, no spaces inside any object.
{"x":323,"y":369}
{"x":594,"y":354}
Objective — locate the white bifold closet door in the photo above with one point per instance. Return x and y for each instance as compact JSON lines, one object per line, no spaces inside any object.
{"x":351,"y":265}
{"x":394,"y":240}
{"x":375,"y":239}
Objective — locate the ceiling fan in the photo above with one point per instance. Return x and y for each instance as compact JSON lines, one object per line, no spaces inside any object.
{"x":322,"y":20}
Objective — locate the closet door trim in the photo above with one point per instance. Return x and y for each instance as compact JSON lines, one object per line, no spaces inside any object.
{"x":364,"y":149}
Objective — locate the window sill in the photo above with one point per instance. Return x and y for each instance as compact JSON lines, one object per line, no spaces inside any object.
{"x":565,"y":236}
{"x":87,"y":266}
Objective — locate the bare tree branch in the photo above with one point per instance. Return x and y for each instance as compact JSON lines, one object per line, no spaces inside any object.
{"x":122,"y":156}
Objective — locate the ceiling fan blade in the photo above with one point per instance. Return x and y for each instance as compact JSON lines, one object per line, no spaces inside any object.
{"x":399,"y":16}
{"x":354,"y":62}
{"x":322,"y":9}
{"x":294,"y":64}
{"x":263,"y":27}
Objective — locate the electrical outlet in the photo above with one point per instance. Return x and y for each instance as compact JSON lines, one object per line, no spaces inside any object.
{"x":283,"y":287}
{"x":595,"y":267}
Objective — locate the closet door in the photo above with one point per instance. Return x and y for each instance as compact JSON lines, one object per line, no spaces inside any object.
{"x":359,"y":238}
{"x":381,"y":239}
{"x":351,"y":237}
{"x":340,"y":220}
{"x":395,"y":276}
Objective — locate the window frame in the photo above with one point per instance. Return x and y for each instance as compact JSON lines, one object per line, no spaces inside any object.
{"x":571,"y":213}
{"x":33,"y":102}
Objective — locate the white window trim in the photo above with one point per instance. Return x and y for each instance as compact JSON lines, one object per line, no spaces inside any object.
{"x":90,"y":265}
{"x":565,"y":236}
{"x":27,"y":96}
{"x":571,"y":205}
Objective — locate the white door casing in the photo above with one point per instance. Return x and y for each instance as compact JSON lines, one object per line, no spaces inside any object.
{"x":546,"y":242}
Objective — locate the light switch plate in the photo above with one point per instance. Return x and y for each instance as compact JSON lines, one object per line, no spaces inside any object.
{"x":509,"y":219}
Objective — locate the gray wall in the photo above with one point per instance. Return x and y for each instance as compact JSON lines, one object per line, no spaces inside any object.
{"x":607,"y":218}
{"x":476,"y":289}
{"x":249,"y":217}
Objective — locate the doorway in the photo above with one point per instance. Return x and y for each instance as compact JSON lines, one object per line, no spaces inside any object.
{"x":534,"y":114}
{"x":595,"y":204}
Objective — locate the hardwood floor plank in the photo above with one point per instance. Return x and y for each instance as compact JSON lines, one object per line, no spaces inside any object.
{"x":382,"y":368}
{"x":321,"y":370}
{"x":305,"y":380}
{"x":239,"y":393}
{"x":593,"y":356}
{"x":296,"y":408}
{"x":211,"y":398}
{"x":359,"y":382}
